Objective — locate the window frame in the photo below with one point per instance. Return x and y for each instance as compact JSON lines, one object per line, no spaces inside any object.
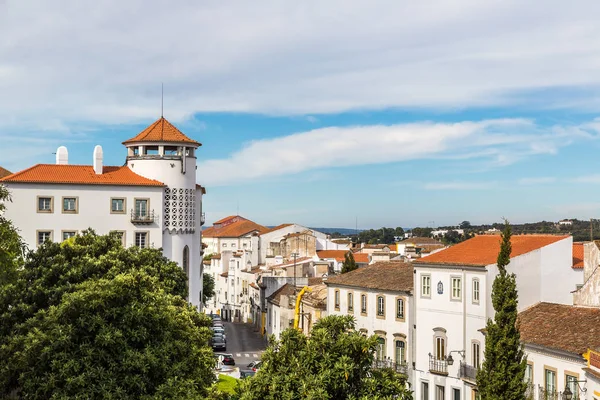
{"x":380,"y":308}
{"x":62,"y":203}
{"x":37,"y":205}
{"x":456,"y":278}
{"x":574,"y":388}
{"x":402,"y":318}
{"x":555,"y":383}
{"x":364,"y":306}
{"x":424,"y":390}
{"x":62,"y":234}
{"x":380,"y":351}
{"x":475,"y":298}
{"x":439,"y":334}
{"x":455,"y":391}
{"x":123,"y":234}
{"x":396,"y":347}
{"x":440,"y":392}
{"x":124,"y":211}
{"x":336,"y":299}
{"x":350,"y":300}
{"x":147,"y":236}
{"x":37,"y":236}
{"x":475,"y":356}
{"x":422,"y":285}
{"x":147,"y":200}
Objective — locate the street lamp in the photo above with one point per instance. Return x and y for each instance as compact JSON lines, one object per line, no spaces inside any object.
{"x":568,"y":395}
{"x":450,"y":360}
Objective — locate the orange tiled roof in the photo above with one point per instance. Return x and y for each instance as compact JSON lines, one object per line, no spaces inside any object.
{"x":80,"y":175}
{"x":225,"y":219}
{"x":578,"y":255}
{"x":483,"y":249}
{"x":4,"y":172}
{"x":162,"y":131}
{"x":235,"y":229}
{"x":340,"y":255}
{"x":275,"y":228}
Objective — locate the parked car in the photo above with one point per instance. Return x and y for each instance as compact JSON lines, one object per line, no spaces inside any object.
{"x":215,"y":317}
{"x":219,"y":330}
{"x":225,"y":358}
{"x":217,"y":322}
{"x":218,"y":343}
{"x":247,"y":373}
{"x":254,"y":365}
{"x":218,"y":335}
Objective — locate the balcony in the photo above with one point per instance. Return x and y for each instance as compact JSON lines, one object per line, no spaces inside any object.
{"x":468,"y":372}
{"x":436,"y":366}
{"x":401,"y":368}
{"x":545,"y":394}
{"x":143,"y":218}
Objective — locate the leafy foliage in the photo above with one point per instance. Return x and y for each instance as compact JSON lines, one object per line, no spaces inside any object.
{"x":12,"y":248}
{"x":90,"y":319}
{"x":502,"y":376}
{"x":349,"y":263}
{"x":208,"y":287}
{"x":335,"y":362}
{"x":379,"y":236}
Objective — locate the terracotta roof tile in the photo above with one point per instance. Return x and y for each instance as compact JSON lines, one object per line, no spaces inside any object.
{"x":563,"y":327}
{"x":388,"y":275}
{"x":578,"y":255}
{"x":483,"y":249}
{"x":276,"y":228}
{"x":161,"y":131}
{"x":254,"y":285}
{"x":340,"y":255}
{"x":235,"y":229}
{"x":80,"y":175}
{"x":285,"y":290}
{"x":4,"y":172}
{"x":225,"y":274}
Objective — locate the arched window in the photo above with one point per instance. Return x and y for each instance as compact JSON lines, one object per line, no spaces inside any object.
{"x":186,"y":260}
{"x":380,"y":349}
{"x":400,"y":356}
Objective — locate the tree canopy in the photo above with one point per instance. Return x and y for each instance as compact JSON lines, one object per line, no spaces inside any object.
{"x":208,"y":287}
{"x":349,"y":263}
{"x":87,"y":318}
{"x":335,"y":362}
{"x":12,"y":248}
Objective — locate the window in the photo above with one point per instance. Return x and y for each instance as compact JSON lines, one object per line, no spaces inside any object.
{"x":232,"y":244}
{"x":424,"y":390}
{"x":399,"y":308}
{"x":151,"y":150}
{"x":456,"y":288}
{"x":476,"y":354}
{"x":400,"y":353}
{"x":455,"y":394}
{"x":350,"y":302}
{"x":45,"y":204}
{"x":425,"y":285}
{"x":42,"y":236}
{"x":475,"y":290}
{"x":66,"y":235}
{"x":136,"y":151}
{"x":439,"y":392}
{"x":337,"y":299}
{"x":141,"y":207}
{"x":117,"y":206}
{"x":121,"y":235}
{"x":440,"y":348}
{"x":363,"y":304}
{"x":380,"y":349}
{"x":550,"y":380}
{"x":69,"y":205}
{"x":224,"y":244}
{"x":186,"y":260}
{"x":529,"y":373}
{"x":571,"y":382}
{"x":141,"y":239}
{"x":380,"y":306}
{"x":171,"y":151}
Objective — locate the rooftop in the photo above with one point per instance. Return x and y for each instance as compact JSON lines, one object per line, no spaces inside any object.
{"x":578,"y":255}
{"x":483,"y":250}
{"x":285,"y":290}
{"x":235,"y":229}
{"x":276,"y":228}
{"x":420,"y":240}
{"x":162,"y":131}
{"x":388,"y":275}
{"x":340,"y":255}
{"x":80,"y":175}
{"x":563,"y":327}
{"x":4,"y":172}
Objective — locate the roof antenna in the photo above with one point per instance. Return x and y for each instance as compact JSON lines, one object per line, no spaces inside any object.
{"x":162,"y":95}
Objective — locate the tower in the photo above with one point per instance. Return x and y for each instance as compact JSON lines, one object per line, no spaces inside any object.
{"x":163,"y":153}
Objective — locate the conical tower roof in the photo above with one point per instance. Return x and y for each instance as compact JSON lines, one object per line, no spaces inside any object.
{"x":162,"y":131}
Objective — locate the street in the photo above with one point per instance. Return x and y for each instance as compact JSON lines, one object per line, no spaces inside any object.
{"x":243,"y":343}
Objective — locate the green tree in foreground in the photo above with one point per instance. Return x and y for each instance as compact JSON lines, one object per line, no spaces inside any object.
{"x":90,"y":319}
{"x":502,"y":376}
{"x":12,"y":248}
{"x":349,"y":263}
{"x":208,"y":287}
{"x":335,"y":362}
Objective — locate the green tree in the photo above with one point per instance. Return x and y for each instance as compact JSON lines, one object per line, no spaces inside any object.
{"x":90,"y":319}
{"x":502,"y":376}
{"x":465,"y":225}
{"x":335,"y":362}
{"x":12,"y":248}
{"x":208,"y":287}
{"x":349,"y":263}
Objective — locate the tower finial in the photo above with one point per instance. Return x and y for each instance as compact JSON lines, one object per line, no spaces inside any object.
{"x":162,"y":96}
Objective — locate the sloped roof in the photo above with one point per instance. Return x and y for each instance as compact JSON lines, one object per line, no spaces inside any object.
{"x":577,"y":255}
{"x":276,"y":228}
{"x":80,"y":175}
{"x":285,"y":290}
{"x":483,"y":250}
{"x":563,"y":327}
{"x":4,"y":172}
{"x":340,"y":255}
{"x":387,"y":275}
{"x":421,"y":240}
{"x":234,"y":230}
{"x":162,"y":131}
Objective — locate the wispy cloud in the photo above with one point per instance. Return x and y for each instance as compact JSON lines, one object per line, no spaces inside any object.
{"x":542,"y":180}
{"x":459,"y":185}
{"x":499,"y":142}
{"x":594,"y":178}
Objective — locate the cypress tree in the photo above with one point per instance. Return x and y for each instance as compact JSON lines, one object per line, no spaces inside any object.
{"x":349,"y":263}
{"x":502,"y":375}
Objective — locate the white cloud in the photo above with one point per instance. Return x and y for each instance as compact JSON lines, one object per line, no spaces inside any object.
{"x":594,"y":178}
{"x":499,"y":142}
{"x":541,"y":180}
{"x":458,"y":185}
{"x":104,"y":60}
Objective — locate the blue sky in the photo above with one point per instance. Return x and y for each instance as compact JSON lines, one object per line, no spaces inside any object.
{"x":321,"y":113}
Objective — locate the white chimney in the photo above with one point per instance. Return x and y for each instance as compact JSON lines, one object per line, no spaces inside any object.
{"x":62,"y":156}
{"x":98,"y":160}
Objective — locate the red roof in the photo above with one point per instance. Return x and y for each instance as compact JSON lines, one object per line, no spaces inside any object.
{"x":4,"y":172}
{"x":235,"y":229}
{"x":276,"y":228}
{"x":578,"y":255}
{"x":162,"y":131}
{"x":80,"y":175}
{"x":340,"y":255}
{"x":483,"y":249}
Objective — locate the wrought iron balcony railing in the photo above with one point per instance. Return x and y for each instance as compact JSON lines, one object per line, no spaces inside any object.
{"x":468,"y":372}
{"x":142,"y":217}
{"x":401,"y":368}
{"x":436,"y":366}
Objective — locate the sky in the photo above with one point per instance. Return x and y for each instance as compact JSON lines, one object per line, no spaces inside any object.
{"x":341,"y":113}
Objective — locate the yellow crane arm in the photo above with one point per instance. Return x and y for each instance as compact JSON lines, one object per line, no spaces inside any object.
{"x":298,"y":300}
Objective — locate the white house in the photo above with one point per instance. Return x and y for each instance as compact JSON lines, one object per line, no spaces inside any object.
{"x":336,"y":258}
{"x":152,"y":200}
{"x":453,"y":302}
{"x":379,"y":296}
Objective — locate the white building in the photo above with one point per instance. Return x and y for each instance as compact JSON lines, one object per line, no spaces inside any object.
{"x":453,"y":302}
{"x":152,"y":200}
{"x":380,"y":297}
